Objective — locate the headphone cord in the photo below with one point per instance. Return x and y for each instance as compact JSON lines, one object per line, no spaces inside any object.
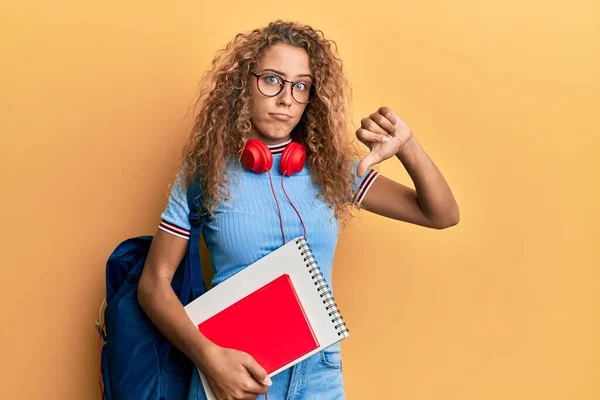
{"x":278,"y":209}
{"x":294,"y":207}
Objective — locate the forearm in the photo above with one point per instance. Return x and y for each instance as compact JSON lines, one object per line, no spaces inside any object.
{"x":163,"y":308}
{"x":433,"y":192}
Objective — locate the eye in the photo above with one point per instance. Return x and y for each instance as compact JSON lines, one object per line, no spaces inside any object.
{"x":300,"y":86}
{"x":272,"y":79}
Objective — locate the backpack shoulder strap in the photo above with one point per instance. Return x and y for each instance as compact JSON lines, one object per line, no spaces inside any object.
{"x":193,"y":282}
{"x":195,"y":204}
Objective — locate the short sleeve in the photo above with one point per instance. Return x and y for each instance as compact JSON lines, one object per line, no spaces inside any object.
{"x":362,"y":185}
{"x":175,"y":217}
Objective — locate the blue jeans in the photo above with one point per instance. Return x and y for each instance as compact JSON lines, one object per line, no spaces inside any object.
{"x":319,"y":377}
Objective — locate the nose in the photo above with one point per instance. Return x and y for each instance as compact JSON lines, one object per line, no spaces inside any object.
{"x":285,"y":97}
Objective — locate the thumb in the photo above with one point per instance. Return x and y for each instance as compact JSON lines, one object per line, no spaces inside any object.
{"x":257,"y":371}
{"x":366,"y":163}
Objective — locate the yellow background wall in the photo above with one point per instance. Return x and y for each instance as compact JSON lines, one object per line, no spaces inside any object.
{"x":504,"y":96}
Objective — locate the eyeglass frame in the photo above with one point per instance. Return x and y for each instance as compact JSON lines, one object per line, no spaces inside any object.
{"x":282,"y":85}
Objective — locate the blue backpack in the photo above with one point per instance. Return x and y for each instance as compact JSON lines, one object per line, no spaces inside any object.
{"x":137,"y":361}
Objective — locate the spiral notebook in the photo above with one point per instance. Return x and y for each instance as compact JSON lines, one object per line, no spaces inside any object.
{"x":279,"y":309}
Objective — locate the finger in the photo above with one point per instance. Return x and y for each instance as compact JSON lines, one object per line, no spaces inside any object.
{"x":370,"y":125}
{"x":366,"y":136}
{"x":257,"y":371}
{"x":366,"y":163}
{"x":252,"y":389}
{"x":388,"y":114}
{"x":384,"y":123}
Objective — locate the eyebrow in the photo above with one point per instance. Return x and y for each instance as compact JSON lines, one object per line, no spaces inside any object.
{"x":284,"y":74}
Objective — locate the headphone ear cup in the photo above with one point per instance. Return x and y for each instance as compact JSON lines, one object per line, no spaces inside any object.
{"x":257,"y":157}
{"x":292,"y":159}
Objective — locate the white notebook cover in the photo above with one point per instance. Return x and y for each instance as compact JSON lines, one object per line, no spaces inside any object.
{"x":295,"y":259}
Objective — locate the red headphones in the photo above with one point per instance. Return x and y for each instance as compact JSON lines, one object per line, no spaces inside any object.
{"x":257,"y":158}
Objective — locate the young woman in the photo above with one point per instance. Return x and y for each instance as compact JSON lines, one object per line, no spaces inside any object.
{"x":273,"y":95}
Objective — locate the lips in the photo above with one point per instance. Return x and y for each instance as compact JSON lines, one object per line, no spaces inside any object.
{"x":281,"y":117}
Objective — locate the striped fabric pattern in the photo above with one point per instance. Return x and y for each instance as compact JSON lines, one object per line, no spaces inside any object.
{"x":278,"y":149}
{"x":365,"y":186}
{"x":174,"y":229}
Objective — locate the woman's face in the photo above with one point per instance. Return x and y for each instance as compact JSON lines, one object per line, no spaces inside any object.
{"x":289,"y":63}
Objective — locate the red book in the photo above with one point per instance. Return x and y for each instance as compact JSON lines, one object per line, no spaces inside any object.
{"x":269,"y":324}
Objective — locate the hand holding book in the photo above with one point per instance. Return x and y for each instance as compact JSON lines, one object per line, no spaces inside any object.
{"x":234,"y":374}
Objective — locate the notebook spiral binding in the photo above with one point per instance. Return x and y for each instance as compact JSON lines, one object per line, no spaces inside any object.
{"x":319,"y":280}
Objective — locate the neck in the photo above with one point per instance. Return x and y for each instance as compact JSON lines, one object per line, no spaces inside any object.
{"x":270,"y":142}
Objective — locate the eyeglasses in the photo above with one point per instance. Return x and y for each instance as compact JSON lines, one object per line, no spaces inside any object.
{"x":271,"y":85}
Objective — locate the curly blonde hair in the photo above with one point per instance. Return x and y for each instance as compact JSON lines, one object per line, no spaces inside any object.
{"x":222,"y":124}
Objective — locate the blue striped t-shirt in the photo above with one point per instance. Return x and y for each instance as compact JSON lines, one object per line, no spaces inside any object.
{"x":246,"y":227}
